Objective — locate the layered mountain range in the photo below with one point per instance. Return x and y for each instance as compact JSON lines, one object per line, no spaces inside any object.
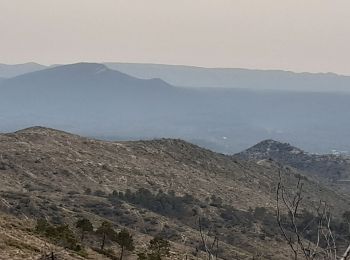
{"x":199,"y":77}
{"x":166,"y":186}
{"x":94,"y":100}
{"x":9,"y":71}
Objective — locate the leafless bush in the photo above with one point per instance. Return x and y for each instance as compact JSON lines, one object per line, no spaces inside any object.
{"x":211,"y":245}
{"x":324,"y":247}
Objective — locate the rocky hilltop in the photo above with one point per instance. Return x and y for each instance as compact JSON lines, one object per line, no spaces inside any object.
{"x":158,"y":187}
{"x":329,"y":167}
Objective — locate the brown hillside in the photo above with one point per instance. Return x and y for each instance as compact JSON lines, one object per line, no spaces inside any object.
{"x":53,"y":174}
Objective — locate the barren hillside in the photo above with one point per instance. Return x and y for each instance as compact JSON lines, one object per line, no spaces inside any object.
{"x":59,"y":176}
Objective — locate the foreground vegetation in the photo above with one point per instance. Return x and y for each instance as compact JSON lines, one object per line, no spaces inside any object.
{"x":65,"y":236}
{"x":104,"y":237}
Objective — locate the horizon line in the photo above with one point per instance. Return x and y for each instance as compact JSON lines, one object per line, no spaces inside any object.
{"x":181,"y":65}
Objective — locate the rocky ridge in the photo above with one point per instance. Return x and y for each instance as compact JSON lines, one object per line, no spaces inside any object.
{"x":60,"y":176}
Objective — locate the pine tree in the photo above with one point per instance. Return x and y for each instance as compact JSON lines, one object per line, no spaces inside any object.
{"x":84,"y":225}
{"x":159,"y":248}
{"x":106,"y":231}
{"x":126,"y":242}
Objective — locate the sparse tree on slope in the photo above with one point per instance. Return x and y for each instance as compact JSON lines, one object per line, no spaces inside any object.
{"x":84,"y":225}
{"x":346,"y":217}
{"x":159,"y":247}
{"x":106,"y":231}
{"x":126,"y":242}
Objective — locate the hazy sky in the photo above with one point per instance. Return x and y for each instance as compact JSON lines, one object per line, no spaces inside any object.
{"x":299,"y":35}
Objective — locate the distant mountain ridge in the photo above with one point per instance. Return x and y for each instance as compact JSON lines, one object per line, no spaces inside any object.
{"x":76,"y":85}
{"x":9,"y":71}
{"x":93,"y":100}
{"x":190,"y":76}
{"x":81,"y":73}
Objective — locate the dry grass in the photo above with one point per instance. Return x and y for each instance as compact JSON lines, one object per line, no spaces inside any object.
{"x":49,"y":171}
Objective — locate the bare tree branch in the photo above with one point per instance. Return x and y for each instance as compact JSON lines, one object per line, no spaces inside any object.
{"x":294,"y":235}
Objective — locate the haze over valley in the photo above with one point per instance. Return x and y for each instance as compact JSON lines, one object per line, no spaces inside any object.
{"x":174,"y":130}
{"x":93,"y":100}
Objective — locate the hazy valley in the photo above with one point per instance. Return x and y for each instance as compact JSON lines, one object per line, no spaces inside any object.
{"x":79,"y":97}
{"x":174,"y":130}
{"x":221,"y":193}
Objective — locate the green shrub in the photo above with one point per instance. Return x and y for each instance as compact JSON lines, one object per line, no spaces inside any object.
{"x":61,"y":235}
